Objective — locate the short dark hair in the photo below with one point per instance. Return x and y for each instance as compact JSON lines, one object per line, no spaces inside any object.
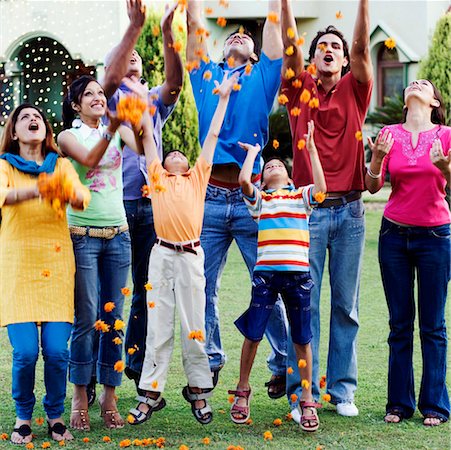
{"x":244,"y":30}
{"x":438,"y":112}
{"x":166,"y":154}
{"x":278,"y":158}
{"x":74,"y":93}
{"x":331,"y":30}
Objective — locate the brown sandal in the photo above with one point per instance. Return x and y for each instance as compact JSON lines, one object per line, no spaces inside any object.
{"x":110,"y":420}
{"x":84,"y":417}
{"x":309,"y":422}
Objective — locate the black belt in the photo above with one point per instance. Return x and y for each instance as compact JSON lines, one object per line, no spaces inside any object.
{"x":340,"y":201}
{"x":179,"y":247}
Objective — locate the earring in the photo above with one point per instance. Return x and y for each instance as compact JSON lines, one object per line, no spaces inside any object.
{"x":77,"y":122}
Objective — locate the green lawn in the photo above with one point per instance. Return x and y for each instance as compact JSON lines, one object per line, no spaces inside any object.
{"x":178,"y":426}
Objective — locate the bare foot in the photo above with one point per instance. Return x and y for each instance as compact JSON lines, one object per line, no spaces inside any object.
{"x":56,"y":436}
{"x":108,"y":406}
{"x":392,"y":418}
{"x":79,"y":417}
{"x":16,"y":437}
{"x":432,"y":421}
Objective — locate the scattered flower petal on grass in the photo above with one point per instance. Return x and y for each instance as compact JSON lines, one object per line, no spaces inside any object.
{"x":206,"y":440}
{"x":39,"y":420}
{"x":267,"y":436}
{"x":183,"y":447}
{"x":62,"y":443}
{"x":289,"y":417}
{"x":46,"y":444}
{"x":277,"y":422}
{"x":85,"y":440}
{"x":106,"y":439}
{"x":29,"y":445}
{"x":125,"y":443}
{"x":4,"y":437}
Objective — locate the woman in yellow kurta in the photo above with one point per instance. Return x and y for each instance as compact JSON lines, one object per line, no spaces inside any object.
{"x":36,"y":265}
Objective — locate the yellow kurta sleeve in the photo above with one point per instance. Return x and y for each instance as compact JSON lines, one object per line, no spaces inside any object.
{"x":5,"y":182}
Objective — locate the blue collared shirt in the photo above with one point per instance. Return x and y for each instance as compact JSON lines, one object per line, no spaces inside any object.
{"x":134,"y":166}
{"x":246,"y":119}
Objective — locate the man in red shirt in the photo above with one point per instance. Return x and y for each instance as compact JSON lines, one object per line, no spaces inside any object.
{"x":335,"y":93}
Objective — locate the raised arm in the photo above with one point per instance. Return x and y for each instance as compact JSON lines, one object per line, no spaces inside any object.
{"x":293,"y":57}
{"x":272,"y":45}
{"x":173,"y":67}
{"x":361,"y":66}
{"x":119,"y":60}
{"x":223,"y":90}
{"x":245,"y":176}
{"x":317,"y":170}
{"x":148,"y":141}
{"x":197,"y":40}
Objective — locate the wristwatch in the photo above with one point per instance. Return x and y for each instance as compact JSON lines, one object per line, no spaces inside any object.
{"x":107,"y":135}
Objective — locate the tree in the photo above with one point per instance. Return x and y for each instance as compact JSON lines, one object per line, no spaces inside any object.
{"x":181,"y":129}
{"x":437,"y":65}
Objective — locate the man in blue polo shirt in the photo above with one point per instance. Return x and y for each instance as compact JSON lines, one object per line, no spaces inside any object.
{"x":137,"y":207}
{"x":226,"y":217}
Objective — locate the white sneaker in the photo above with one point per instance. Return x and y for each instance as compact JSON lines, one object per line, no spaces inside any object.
{"x":347,"y":409}
{"x":296,"y":415}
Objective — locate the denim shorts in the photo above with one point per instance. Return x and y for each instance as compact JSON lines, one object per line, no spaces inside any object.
{"x":294,"y":288}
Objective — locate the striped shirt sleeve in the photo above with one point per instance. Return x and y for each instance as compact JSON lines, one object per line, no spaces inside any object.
{"x":254,"y":204}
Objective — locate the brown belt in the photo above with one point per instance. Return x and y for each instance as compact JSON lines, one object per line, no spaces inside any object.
{"x":103,"y":233}
{"x":340,"y":201}
{"x":179,"y":247}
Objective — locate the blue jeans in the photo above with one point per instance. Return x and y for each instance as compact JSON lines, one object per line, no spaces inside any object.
{"x":101,"y":272}
{"x":340,"y":231}
{"x":226,"y":218}
{"x":24,"y":338}
{"x":142,"y":233}
{"x":406,"y":253}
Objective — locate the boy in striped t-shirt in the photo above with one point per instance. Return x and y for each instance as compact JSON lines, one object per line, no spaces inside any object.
{"x":282,"y":268}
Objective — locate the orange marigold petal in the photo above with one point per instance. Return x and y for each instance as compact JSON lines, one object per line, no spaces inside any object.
{"x":119,"y":366}
{"x":290,"y":370}
{"x":282,"y":99}
{"x":277,"y":422}
{"x":302,"y":362}
{"x":221,"y":21}
{"x":327,"y":397}
{"x":273,"y":17}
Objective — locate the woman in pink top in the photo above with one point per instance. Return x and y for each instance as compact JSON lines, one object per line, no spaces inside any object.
{"x":414,"y":243}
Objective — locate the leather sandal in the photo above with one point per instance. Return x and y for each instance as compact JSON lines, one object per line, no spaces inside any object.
{"x":203,"y":415}
{"x":396,"y":412}
{"x":243,"y":411}
{"x":309,"y":422}
{"x":83,"y":414}
{"x":109,"y":419}
{"x":277,"y":386}
{"x":136,"y":416}
{"x":433,"y":416}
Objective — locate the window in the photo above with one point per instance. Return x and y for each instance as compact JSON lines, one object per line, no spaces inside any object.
{"x":390,"y":74}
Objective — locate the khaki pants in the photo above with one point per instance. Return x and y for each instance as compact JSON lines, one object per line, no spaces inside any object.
{"x":177,"y":278}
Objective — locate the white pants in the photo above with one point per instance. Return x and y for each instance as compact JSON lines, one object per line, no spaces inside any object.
{"x":177,"y":278}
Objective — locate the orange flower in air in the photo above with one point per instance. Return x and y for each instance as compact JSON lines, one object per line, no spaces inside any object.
{"x":156,"y":30}
{"x":293,"y":398}
{"x":148,"y":286}
{"x":296,"y":83}
{"x":275,"y":144}
{"x":125,"y":443}
{"x":305,"y":96}
{"x":130,"y":108}
{"x":177,"y":46}
{"x":311,"y":69}
{"x":282,"y":99}
{"x":289,"y":73}
{"x":302,"y":363}
{"x":236,"y":87}
{"x":206,"y":440}
{"x":45,"y":444}
{"x":326,"y":397}
{"x":196,"y":335}
{"x":319,"y":198}
{"x":339,"y":15}
{"x":46,"y":273}
{"x":125,"y":291}
{"x":131,"y":350}
{"x":4,"y":437}
{"x":221,"y":21}
{"x":290,"y":33}
{"x":289,"y":51}
{"x":277,"y":422}
{"x":117,"y":341}
{"x":159,"y":189}
{"x":322,"y":47}
{"x":290,"y":370}
{"x":301,"y":144}
{"x":151,"y":305}
{"x":305,"y":384}
{"x":145,"y":189}
{"x":57,"y":248}
{"x":358,"y":135}
{"x":300,"y":41}
{"x":295,"y":111}
{"x":205,"y":59}
{"x":313,"y":103}
{"x":207,"y":75}
{"x":119,"y":324}
{"x":85,"y":440}
{"x":109,"y":306}
{"x":182,"y":4}
{"x":231,"y":61}
{"x":106,"y":439}
{"x":267,"y":436}
{"x":39,"y":420}
{"x":153,"y":109}
{"x":248,"y":69}
{"x":154,"y":384}
{"x":273,"y":17}
{"x":119,"y":366}
{"x":390,"y":43}
{"x":100,"y":325}
{"x":224,"y":3}
{"x":208,"y":11}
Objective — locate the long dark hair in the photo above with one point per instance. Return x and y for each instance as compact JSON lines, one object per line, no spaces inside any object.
{"x":437,"y":113}
{"x":74,"y":94}
{"x":11,"y":145}
{"x":331,"y":30}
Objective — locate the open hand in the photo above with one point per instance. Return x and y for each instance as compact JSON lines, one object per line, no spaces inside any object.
{"x":224,"y":89}
{"x":437,"y":156}
{"x":136,"y":12}
{"x":309,"y":139}
{"x":138,"y":88}
{"x":382,"y":145}
{"x":250,"y":148}
{"x":168,"y":16}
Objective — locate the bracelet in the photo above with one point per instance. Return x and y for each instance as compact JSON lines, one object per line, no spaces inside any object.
{"x":107,"y":136}
{"x":372,"y":174}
